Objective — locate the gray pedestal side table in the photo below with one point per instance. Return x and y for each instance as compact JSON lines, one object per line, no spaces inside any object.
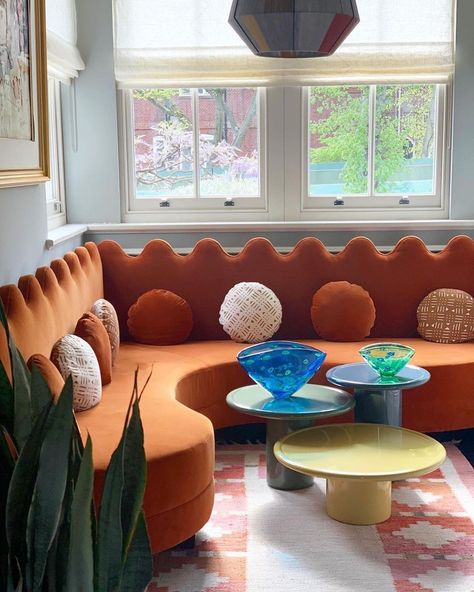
{"x":285,"y":416}
{"x":377,"y":400}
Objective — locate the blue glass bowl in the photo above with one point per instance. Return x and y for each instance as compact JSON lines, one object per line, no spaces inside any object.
{"x":281,"y":367}
{"x":387,"y":358}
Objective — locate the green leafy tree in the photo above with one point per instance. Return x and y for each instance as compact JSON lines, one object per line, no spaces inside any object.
{"x":162,"y":98}
{"x":404,"y":129}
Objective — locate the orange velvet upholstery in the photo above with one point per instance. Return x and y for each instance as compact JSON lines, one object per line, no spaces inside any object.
{"x":396,"y":282}
{"x":46,"y":306}
{"x":92,"y":330}
{"x":185,"y":399}
{"x":179,"y":443}
{"x":49,"y":372}
{"x":160,"y":317}
{"x":341,"y":311}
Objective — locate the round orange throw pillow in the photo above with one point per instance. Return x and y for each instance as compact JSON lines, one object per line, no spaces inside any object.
{"x":341,"y":311}
{"x":160,"y":317}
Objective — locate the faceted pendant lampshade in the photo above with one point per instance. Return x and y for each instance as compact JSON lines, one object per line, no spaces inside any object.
{"x":293,"y":28}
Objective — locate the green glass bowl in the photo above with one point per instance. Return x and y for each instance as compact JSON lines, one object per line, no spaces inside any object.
{"x":387,"y":358}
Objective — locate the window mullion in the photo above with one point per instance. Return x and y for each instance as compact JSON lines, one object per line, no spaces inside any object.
{"x":196,"y":134}
{"x":371,"y":143}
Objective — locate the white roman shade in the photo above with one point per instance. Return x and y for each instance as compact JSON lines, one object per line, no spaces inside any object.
{"x":64,"y":59}
{"x":190,"y":43}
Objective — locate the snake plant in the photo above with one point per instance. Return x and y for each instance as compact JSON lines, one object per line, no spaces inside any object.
{"x":50,"y":537}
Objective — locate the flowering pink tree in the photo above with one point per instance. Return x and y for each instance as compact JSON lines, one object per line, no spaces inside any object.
{"x":169,"y":160}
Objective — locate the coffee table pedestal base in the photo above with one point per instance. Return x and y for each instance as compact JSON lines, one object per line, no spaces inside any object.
{"x":378,"y":406}
{"x":278,"y":476}
{"x":355,"y":501}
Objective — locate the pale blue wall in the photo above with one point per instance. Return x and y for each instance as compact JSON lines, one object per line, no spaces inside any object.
{"x":23,"y":231}
{"x":462,"y":202}
{"x":92,"y":181}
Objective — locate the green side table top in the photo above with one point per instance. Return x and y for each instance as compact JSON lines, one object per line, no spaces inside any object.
{"x":310,"y":402}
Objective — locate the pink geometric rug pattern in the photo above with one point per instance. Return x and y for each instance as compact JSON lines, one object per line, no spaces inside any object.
{"x":262,"y":540}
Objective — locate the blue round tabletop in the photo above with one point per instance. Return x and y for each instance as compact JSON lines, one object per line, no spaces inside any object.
{"x":311,"y":401}
{"x":361,"y":375}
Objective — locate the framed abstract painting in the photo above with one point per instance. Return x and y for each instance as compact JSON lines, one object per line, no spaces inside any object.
{"x":23,"y":93}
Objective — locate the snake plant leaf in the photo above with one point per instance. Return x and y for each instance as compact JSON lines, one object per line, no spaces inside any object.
{"x":46,"y":503}
{"x":22,"y":422}
{"x":8,"y":450}
{"x":6,"y":400}
{"x":80,"y":569}
{"x":40,"y":393}
{"x":21,"y":490}
{"x":109,"y":529}
{"x":7,"y":464}
{"x":110,"y":537}
{"x":137,"y":571}
{"x":58,"y":557}
{"x":10,"y":586}
{"x":134,"y":476}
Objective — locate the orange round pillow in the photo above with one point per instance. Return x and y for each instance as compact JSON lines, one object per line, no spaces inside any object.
{"x":341,"y":311}
{"x":160,"y":317}
{"x":92,"y":330}
{"x":49,"y":372}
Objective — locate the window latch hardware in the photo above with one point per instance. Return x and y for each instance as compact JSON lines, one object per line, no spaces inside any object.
{"x":164,"y":203}
{"x":404,"y":201}
{"x":339,"y":201}
{"x":229,"y":202}
{"x":57,"y":207}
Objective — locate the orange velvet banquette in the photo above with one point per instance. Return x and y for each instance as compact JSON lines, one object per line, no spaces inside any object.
{"x":185,"y":399}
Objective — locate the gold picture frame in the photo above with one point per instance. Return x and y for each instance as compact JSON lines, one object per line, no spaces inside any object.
{"x":24,"y":145}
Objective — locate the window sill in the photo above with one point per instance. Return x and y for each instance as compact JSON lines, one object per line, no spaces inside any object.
{"x":63,"y":234}
{"x":290,"y":226}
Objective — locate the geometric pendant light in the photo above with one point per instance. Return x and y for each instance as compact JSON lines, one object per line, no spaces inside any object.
{"x":293,"y":28}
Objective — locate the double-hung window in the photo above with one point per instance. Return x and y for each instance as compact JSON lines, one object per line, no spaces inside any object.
{"x":194,"y":149}
{"x":375,"y":147}
{"x":211,"y":132}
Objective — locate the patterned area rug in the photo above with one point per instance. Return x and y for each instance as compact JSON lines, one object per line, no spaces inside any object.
{"x":263,"y":540}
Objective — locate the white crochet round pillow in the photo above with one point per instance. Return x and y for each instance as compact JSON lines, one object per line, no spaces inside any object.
{"x":250,"y":313}
{"x":73,"y":356}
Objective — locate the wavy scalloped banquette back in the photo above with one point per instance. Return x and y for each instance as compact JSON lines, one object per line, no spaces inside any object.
{"x":46,"y":306}
{"x":396,"y":281}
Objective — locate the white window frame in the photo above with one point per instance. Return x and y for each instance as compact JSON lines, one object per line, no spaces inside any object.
{"x":181,"y":209}
{"x":55,"y":188}
{"x":369,"y":206}
{"x":283,"y":144}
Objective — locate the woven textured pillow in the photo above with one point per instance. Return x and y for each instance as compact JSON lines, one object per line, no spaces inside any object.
{"x":49,"y":372}
{"x":73,"y":356}
{"x":160,"y":317}
{"x":446,"y":316}
{"x":250,"y":313}
{"x":341,"y":311}
{"x":105,"y":311}
{"x":91,"y":329}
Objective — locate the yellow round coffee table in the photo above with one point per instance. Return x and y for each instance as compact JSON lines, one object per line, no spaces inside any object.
{"x":359,"y":462}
